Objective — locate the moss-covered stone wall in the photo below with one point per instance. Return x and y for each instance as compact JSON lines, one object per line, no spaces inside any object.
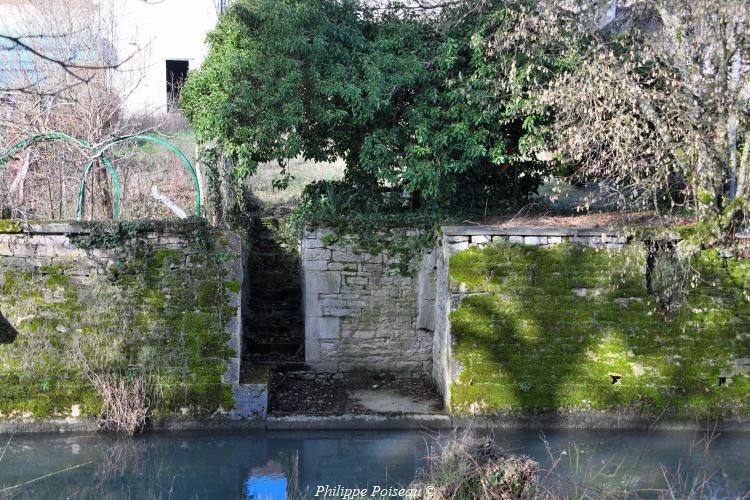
{"x":124,"y":299}
{"x":570,"y":327}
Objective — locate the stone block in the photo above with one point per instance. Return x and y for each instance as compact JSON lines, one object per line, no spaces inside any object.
{"x":371,"y":268}
{"x":515,"y":239}
{"x":315,"y":265}
{"x":341,"y":311}
{"x":344,"y":256}
{"x":251,"y":400}
{"x":311,"y":243}
{"x":457,"y":239}
{"x":313,"y":305}
{"x":356,"y":280}
{"x":312,"y":350}
{"x":231,"y":373}
{"x":457,"y":247}
{"x":322,"y":281}
{"x":323,"y":328}
{"x":531,"y":240}
{"x":317,"y":254}
{"x":342,"y":266}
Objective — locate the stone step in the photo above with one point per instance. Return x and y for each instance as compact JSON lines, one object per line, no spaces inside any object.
{"x":259,"y":319}
{"x":256,"y":347}
{"x":276,"y":295}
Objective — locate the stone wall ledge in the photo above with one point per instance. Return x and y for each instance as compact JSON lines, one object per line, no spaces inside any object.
{"x":84,"y":227}
{"x":359,"y":422}
{"x":530,"y":231}
{"x":597,"y":420}
{"x":90,"y":424}
{"x":578,"y":420}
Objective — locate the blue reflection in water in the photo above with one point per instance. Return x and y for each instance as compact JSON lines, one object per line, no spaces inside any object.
{"x":261,"y":466}
{"x":266,"y":483}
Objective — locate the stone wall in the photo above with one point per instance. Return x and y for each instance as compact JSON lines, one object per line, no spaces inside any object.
{"x":632,"y":329}
{"x":459,"y":238}
{"x":158,"y":299}
{"x":361,"y":312}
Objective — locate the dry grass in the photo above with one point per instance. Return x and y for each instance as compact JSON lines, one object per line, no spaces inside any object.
{"x":468,"y":468}
{"x":150,"y":165}
{"x":303,"y":172}
{"x":125,"y":403}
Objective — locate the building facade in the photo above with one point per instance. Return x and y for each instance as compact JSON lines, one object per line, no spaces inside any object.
{"x":153,"y":43}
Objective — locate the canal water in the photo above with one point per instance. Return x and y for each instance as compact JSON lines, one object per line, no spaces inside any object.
{"x":269,"y":464}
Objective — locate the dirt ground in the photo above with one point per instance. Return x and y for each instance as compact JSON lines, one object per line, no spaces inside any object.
{"x":292,"y":395}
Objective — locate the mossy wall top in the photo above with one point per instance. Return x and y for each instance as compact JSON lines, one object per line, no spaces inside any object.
{"x":576,"y":328}
{"x":140,"y":298}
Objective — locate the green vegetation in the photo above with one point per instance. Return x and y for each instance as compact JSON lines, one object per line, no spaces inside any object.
{"x":151,"y":313}
{"x":10,"y":226}
{"x":553,"y":329}
{"x":403,"y":104}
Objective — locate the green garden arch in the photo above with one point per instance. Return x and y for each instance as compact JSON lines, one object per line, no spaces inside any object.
{"x":147,"y":138}
{"x":57,"y":135}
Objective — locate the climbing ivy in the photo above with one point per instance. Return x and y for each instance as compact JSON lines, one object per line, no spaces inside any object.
{"x":111,"y":234}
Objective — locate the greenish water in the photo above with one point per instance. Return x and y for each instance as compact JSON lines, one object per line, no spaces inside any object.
{"x":237,"y":466}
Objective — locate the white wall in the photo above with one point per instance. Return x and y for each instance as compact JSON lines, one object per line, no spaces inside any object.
{"x":145,"y":32}
{"x":152,"y":32}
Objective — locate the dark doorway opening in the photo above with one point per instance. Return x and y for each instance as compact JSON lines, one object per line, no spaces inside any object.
{"x":7,"y":333}
{"x":177,"y":72}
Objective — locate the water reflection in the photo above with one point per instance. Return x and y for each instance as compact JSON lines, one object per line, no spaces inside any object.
{"x":266,"y":483}
{"x":263,"y":466}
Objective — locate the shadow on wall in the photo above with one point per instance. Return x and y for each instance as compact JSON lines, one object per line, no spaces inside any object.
{"x":7,"y":333}
{"x":576,"y":328}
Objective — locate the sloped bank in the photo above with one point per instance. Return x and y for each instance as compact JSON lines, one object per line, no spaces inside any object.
{"x":151,"y":299}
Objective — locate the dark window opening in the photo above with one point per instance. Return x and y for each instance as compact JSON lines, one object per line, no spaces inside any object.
{"x":616,"y":379}
{"x":177,"y":72}
{"x":722,"y":381}
{"x":7,"y":333}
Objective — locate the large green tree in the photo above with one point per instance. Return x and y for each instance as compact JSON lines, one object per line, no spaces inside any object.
{"x":410,"y":103}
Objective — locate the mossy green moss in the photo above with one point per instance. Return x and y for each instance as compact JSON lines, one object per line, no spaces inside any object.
{"x":10,"y":226}
{"x":151,"y":310}
{"x":551,"y":329}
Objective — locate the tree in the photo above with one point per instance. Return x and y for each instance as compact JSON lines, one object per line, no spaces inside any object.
{"x":654,"y":100}
{"x":408,"y":106}
{"x":63,"y":79}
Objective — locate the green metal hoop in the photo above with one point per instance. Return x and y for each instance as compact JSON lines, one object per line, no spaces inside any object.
{"x":147,"y":138}
{"x":56,"y":135}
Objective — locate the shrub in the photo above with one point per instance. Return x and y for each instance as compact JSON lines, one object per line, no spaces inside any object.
{"x":470,"y":468}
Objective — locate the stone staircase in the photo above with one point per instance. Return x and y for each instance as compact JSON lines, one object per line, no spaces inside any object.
{"x":273,"y":323}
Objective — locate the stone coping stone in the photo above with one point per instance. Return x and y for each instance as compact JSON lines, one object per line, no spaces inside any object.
{"x":578,"y":420}
{"x":527,"y":231}
{"x":600,"y":421}
{"x":359,"y":422}
{"x":160,"y":424}
{"x":84,"y":227}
